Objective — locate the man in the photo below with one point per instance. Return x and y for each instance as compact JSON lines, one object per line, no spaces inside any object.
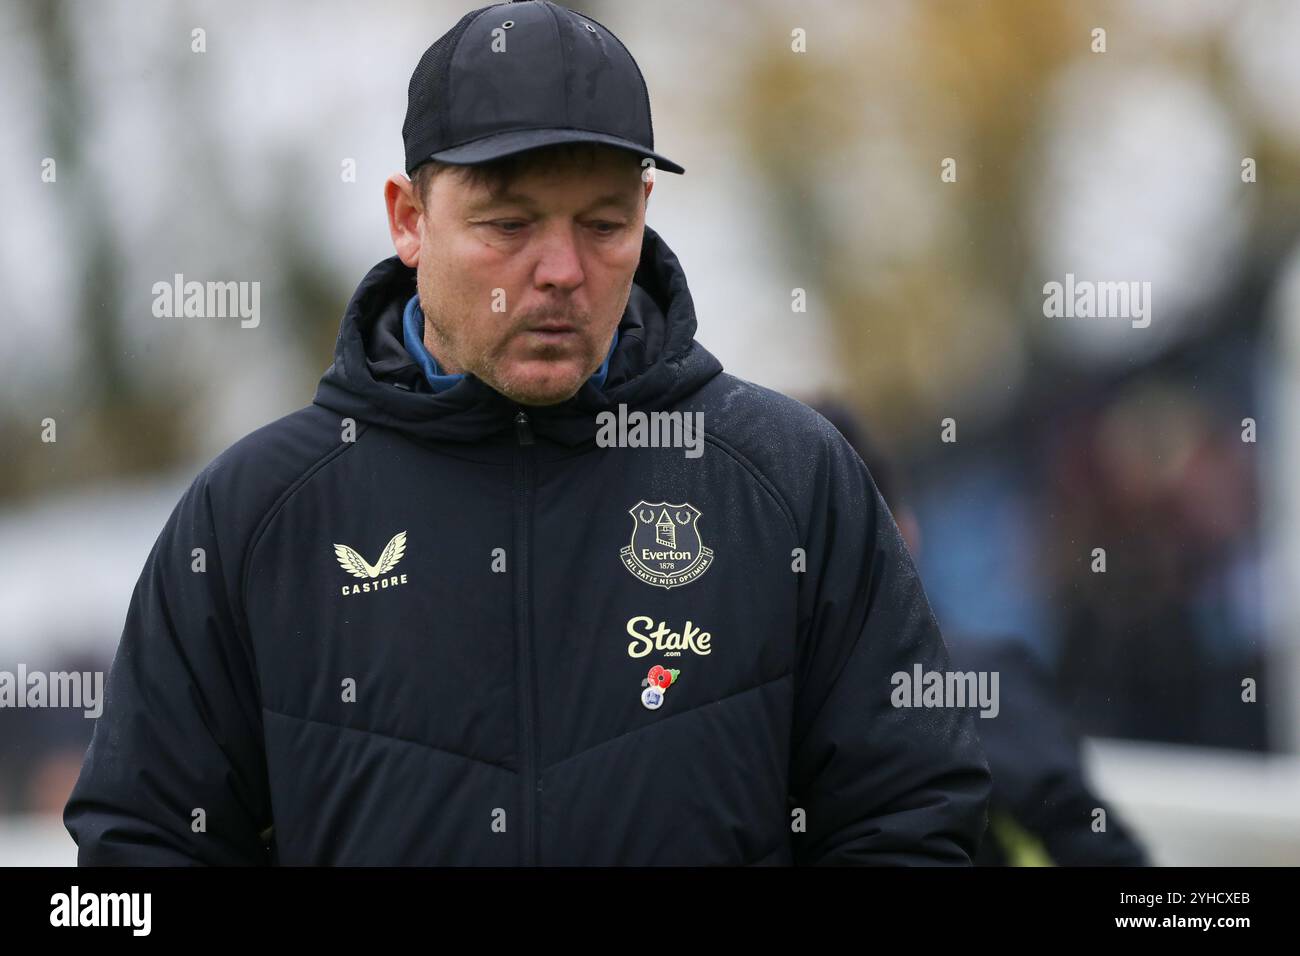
{"x":573,"y":646}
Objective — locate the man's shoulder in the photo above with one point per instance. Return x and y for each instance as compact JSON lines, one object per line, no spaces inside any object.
{"x":791,"y":445}
{"x":252,"y":473}
{"x":733,"y":401}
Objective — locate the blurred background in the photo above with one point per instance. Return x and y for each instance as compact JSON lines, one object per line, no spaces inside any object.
{"x":919,"y":169}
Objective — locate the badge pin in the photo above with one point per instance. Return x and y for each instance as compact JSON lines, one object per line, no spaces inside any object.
{"x":656,"y":682}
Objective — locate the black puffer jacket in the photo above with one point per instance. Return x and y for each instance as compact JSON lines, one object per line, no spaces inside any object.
{"x":481,"y":693}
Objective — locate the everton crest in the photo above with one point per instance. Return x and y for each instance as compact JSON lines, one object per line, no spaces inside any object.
{"x":666,"y":549}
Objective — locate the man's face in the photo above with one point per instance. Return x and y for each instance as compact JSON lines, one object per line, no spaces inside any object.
{"x":524,"y":289}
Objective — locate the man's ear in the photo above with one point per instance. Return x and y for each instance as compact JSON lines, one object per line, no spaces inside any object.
{"x":404,"y":214}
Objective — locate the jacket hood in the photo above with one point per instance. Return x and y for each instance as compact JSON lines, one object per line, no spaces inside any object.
{"x":373,"y":378}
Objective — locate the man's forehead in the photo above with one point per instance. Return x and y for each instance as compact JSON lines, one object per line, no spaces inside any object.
{"x":539,"y":196}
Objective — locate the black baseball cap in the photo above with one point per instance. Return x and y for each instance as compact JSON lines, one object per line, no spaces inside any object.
{"x":515,"y":76}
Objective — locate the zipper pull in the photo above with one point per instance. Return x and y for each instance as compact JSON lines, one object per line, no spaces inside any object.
{"x":523,"y":430}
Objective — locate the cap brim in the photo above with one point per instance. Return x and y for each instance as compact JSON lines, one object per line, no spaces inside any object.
{"x":519,"y":141}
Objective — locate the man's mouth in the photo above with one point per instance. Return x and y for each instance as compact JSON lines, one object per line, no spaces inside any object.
{"x":552,"y":331}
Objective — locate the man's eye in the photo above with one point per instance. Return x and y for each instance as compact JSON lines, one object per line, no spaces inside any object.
{"x":607,"y":228}
{"x":510,"y":227}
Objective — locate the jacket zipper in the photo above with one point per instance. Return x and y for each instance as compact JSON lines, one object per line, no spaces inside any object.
{"x":525,"y":675}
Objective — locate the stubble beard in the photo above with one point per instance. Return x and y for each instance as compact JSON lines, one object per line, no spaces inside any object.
{"x":488,"y":364}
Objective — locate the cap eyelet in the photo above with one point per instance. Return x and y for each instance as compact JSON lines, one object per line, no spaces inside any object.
{"x":507,"y":24}
{"x":590,"y":27}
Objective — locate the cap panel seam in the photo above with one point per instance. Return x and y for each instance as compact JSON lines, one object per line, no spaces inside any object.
{"x":564,"y":61}
{"x":645,"y":87}
{"x":445,"y":114}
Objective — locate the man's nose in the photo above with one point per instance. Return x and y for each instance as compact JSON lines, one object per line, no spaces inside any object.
{"x":559,"y":263}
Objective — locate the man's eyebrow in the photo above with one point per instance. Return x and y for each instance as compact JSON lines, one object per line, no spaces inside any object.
{"x":621,"y":200}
